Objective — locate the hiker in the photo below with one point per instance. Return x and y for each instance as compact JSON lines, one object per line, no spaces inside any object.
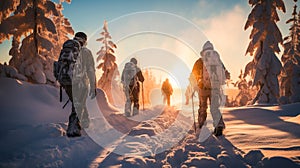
{"x":208,"y":75}
{"x":80,"y":63}
{"x":167,"y":90}
{"x":131,"y":78}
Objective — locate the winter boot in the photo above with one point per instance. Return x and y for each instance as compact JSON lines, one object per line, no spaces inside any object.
{"x":74,"y":128}
{"x":201,"y":119}
{"x":218,"y":131}
{"x":135,"y":111}
{"x":136,"y":107}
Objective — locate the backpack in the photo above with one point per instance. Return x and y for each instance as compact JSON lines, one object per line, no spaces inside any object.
{"x":213,"y":73}
{"x":65,"y":66}
{"x":129,"y":74}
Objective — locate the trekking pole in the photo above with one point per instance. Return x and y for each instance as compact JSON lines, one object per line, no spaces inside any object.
{"x":143,"y":95}
{"x":193,"y":111}
{"x":66,"y":103}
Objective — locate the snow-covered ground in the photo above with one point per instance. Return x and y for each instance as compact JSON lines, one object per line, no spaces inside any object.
{"x":33,"y":124}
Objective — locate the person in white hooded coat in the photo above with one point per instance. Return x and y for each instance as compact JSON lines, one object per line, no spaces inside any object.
{"x":208,"y":75}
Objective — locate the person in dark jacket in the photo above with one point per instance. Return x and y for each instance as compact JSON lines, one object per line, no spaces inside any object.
{"x":131,"y":78}
{"x":78,"y":91}
{"x":167,"y":91}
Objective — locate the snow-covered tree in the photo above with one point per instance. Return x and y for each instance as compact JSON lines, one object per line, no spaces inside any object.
{"x":63,"y":28}
{"x":30,"y":25}
{"x":290,"y":87}
{"x":149,"y":85}
{"x":108,"y":63}
{"x":246,"y":89}
{"x":265,"y":37}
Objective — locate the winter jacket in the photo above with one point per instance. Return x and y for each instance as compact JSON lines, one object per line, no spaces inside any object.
{"x":197,"y":73}
{"x":139,"y":75}
{"x":88,"y":64}
{"x":167,"y":88}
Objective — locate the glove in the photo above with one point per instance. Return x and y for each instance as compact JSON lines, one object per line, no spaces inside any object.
{"x":93,"y":93}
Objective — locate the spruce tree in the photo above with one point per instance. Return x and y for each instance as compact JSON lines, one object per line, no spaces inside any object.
{"x":30,"y":26}
{"x":107,"y":63}
{"x":264,"y":39}
{"x":290,"y":54}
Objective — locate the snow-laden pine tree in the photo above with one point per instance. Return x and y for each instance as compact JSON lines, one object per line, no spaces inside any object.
{"x":264,"y":39}
{"x":290,"y":87}
{"x":63,"y":28}
{"x":108,"y":65}
{"x":246,"y":89}
{"x":149,"y":85}
{"x":29,"y":23}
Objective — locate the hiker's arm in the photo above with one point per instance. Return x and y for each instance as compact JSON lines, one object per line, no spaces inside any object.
{"x":140,"y":75}
{"x":122,"y":77}
{"x":227,"y":73}
{"x":90,"y":69}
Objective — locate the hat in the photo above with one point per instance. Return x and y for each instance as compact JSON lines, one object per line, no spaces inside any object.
{"x":133,"y":60}
{"x":81,"y":37}
{"x":207,"y":46}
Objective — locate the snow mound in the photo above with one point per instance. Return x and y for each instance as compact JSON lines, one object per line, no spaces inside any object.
{"x":295,"y":119}
{"x":11,"y":72}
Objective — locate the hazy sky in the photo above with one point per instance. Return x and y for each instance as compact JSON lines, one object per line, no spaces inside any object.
{"x":177,"y":28}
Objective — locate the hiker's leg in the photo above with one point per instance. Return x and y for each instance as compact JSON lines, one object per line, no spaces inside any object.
{"x":164,"y":98}
{"x":202,"y":111}
{"x":135,"y":95}
{"x":68,"y":90}
{"x":73,"y":125}
{"x":84,"y":120}
{"x":215,"y":110}
{"x":79,"y":94}
{"x":127,"y":109}
{"x":168,"y":100}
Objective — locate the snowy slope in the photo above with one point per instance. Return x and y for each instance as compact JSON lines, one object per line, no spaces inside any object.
{"x":33,"y":126}
{"x":273,"y":130}
{"x":32,"y":123}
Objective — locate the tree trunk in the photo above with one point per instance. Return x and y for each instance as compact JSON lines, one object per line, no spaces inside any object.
{"x":35,"y":29}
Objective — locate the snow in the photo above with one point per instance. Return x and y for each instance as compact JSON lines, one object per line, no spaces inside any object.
{"x":33,"y":124}
{"x":10,"y":71}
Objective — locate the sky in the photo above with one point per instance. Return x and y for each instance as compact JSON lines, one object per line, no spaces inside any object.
{"x":172,"y":30}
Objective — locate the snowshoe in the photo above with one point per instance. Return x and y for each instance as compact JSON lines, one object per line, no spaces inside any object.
{"x":218,"y":131}
{"x":74,"y":128}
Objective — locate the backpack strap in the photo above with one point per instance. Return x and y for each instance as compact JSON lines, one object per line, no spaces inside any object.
{"x":60,"y":93}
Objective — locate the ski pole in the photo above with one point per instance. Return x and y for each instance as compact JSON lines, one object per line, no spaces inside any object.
{"x":193,"y":111}
{"x":143,"y":95}
{"x":66,"y":103}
